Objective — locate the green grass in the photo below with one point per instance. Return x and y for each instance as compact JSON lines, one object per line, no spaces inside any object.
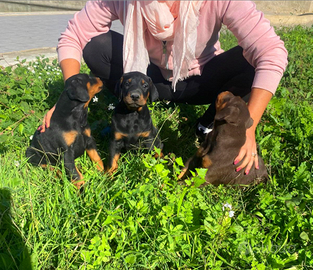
{"x":141,"y":218}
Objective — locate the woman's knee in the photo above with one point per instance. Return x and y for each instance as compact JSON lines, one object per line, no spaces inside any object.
{"x":103,"y":53}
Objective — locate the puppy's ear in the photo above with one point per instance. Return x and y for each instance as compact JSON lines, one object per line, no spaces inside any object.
{"x":249,"y":123}
{"x":228,"y":114}
{"x":76,"y":89}
{"x":222,"y":99}
{"x":118,"y":89}
{"x":154,"y":94}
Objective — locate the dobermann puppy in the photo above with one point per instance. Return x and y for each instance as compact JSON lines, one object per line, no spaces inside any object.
{"x":69,"y":133}
{"x":220,"y":148}
{"x":131,"y":121}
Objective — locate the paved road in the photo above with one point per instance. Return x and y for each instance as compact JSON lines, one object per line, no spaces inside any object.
{"x":32,"y":31}
{"x":31,"y":34}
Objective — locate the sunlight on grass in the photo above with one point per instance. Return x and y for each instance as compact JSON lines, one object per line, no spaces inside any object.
{"x":140,"y":218}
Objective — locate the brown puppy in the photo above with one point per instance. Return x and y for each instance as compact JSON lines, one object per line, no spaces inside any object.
{"x":220,"y":148}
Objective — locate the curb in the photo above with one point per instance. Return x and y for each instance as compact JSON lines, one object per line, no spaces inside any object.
{"x":9,"y":59}
{"x":290,"y":20}
{"x":27,"y":13}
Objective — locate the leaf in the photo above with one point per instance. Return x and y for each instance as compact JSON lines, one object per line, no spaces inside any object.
{"x":266,"y":138}
{"x":286,"y":197}
{"x":198,"y":181}
{"x":304,"y":236}
{"x":179,"y":161}
{"x":3,"y":138}
{"x":291,"y":258}
{"x":259,"y":266}
{"x":12,"y":92}
{"x":201,"y":172}
{"x":181,"y":200}
{"x":188,"y":182}
{"x":159,"y":168}
{"x":20,"y":128}
{"x":157,"y":150}
{"x":259,"y":214}
{"x":131,"y":259}
{"x":281,"y":247}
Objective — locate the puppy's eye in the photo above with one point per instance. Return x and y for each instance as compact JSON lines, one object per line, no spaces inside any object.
{"x":145,"y":85}
{"x":127,"y":84}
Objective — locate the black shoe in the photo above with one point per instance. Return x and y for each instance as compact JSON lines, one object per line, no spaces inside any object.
{"x":202,"y":131}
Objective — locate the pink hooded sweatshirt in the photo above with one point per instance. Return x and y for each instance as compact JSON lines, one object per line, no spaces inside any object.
{"x":262,"y":48}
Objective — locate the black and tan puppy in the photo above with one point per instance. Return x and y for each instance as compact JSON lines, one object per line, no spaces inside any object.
{"x":69,"y":133}
{"x":131,"y":121}
{"x":220,"y":148}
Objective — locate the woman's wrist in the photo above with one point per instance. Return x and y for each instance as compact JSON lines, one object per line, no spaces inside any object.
{"x":69,"y":67}
{"x":257,"y":104}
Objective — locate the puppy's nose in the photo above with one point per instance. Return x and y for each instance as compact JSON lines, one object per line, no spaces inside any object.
{"x":135,"y":96}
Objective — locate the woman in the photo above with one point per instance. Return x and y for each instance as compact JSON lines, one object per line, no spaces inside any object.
{"x":176,"y":44}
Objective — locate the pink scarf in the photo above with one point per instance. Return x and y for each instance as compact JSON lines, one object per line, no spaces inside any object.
{"x":165,"y":20}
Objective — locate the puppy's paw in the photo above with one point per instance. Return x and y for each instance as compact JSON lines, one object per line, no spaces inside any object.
{"x":157,"y":155}
{"x":78,"y":184}
{"x":110,"y":170}
{"x":183,"y":174}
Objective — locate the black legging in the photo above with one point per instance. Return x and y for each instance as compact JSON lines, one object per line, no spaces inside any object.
{"x":227,"y":71}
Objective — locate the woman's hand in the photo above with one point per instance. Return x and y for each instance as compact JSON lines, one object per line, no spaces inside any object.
{"x":248,"y":153}
{"x":258,"y":101}
{"x":46,"y":120}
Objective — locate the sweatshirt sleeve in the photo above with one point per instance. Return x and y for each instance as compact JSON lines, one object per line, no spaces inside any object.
{"x":94,"y":19}
{"x":262,"y":48}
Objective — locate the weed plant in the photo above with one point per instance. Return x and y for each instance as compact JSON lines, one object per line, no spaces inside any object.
{"x":141,"y":218}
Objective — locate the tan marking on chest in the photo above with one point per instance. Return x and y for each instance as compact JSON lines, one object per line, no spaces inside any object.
{"x":119,"y":135}
{"x":144,"y":134}
{"x":206,"y":162}
{"x":70,"y":137}
{"x":87,"y":132}
{"x":139,"y":109}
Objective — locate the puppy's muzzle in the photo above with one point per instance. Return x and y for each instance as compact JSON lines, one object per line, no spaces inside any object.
{"x":135,"y":99}
{"x":135,"y":96}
